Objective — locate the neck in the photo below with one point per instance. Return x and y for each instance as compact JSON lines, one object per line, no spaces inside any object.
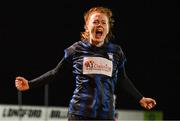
{"x":96,"y":43}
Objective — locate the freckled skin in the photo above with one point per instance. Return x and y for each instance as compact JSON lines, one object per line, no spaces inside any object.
{"x":97,"y":21}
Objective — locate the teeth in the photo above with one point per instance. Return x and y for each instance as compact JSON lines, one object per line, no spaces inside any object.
{"x":99,"y":30}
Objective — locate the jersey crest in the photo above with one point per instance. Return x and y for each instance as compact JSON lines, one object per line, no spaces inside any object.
{"x":110,"y":56}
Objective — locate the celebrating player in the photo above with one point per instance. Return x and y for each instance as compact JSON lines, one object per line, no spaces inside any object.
{"x":97,"y":65}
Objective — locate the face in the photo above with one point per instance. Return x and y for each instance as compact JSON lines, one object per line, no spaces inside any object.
{"x":98,"y":28}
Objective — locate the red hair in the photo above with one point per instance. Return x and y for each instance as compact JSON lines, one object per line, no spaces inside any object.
{"x":107,"y":12}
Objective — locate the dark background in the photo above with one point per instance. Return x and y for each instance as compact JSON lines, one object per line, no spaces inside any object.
{"x":33,"y":37}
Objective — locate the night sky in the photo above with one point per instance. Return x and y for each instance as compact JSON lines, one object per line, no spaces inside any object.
{"x":33,"y":37}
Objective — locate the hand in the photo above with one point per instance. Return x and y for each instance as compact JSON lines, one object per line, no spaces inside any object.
{"x":21,"y":83}
{"x":147,"y":103}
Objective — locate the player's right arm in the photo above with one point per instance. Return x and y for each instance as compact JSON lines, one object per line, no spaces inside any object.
{"x":23,"y":84}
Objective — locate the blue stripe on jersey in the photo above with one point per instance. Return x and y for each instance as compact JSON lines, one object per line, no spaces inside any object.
{"x":93,"y":95}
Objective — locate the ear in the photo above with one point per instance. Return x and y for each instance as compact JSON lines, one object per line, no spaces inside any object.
{"x":85,"y":28}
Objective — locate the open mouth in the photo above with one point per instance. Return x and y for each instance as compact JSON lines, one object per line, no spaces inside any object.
{"x":99,"y":34}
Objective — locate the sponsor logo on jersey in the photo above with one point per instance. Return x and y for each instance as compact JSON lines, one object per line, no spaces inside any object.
{"x":97,"y":65}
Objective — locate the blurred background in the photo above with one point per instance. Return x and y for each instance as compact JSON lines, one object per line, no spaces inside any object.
{"x":33,"y":36}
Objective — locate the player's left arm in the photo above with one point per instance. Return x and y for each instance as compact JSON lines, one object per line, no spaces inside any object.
{"x":127,"y":84}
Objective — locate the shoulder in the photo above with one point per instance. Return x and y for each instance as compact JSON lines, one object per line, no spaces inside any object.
{"x":71,"y":49}
{"x":115,"y":48}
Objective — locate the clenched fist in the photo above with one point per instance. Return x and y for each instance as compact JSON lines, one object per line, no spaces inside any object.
{"x":21,"y":83}
{"x":147,"y":103}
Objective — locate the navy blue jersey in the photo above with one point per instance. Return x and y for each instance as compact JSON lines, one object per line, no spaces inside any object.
{"x":95,"y":71}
